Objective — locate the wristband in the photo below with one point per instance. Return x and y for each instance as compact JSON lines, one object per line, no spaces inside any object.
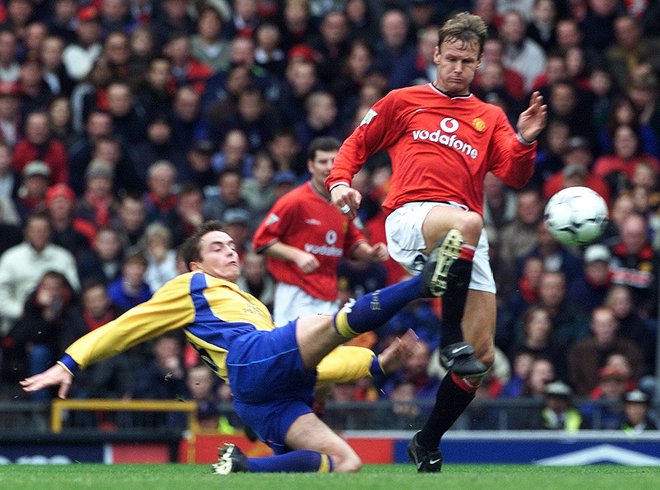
{"x":337,"y":184}
{"x":69,"y":364}
{"x":376,"y":369}
{"x":524,"y":140}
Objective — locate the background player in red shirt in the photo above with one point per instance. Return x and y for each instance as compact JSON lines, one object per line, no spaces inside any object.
{"x":442,"y":141}
{"x":305,"y":238}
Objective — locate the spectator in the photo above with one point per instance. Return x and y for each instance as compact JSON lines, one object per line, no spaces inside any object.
{"x":187,"y":125}
{"x":201,"y":388}
{"x":597,"y":26}
{"x":79,"y":57}
{"x":9,"y":67}
{"x":259,"y":190}
{"x":154,"y":91}
{"x":577,"y":159}
{"x":245,"y":20}
{"x":9,"y":180}
{"x":618,"y":166}
{"x":39,"y":144}
{"x":330,"y":45}
{"x":256,"y":280}
{"x":61,"y":125}
{"x":187,"y":213}
{"x":394,"y":48}
{"x":536,"y":339}
{"x":161,"y":257}
{"x":593,"y":286}
{"x":228,"y":196}
{"x":128,"y":120}
{"x":130,"y":287}
{"x":268,"y":53}
{"x":521,"y":53}
{"x":185,"y":69}
{"x":117,"y":52}
{"x":238,"y":223}
{"x":541,"y":27}
{"x":97,"y":205}
{"x":35,"y":92}
{"x":103,"y":261}
{"x":521,"y":364}
{"x":97,"y":126}
{"x":635,"y":264}
{"x":208,"y":45}
{"x":620,"y":299}
{"x":404,"y":412}
{"x":636,"y":407}
{"x":558,"y":412}
{"x":566,"y":102}
{"x":297,"y":23}
{"x":69,"y":232}
{"x":172,"y":17}
{"x":519,"y":236}
{"x":555,"y":256}
{"x":541,"y":372}
{"x":606,"y":412}
{"x":570,"y":324}
{"x":198,"y":168}
{"x":63,"y":21}
{"x":160,"y":199}
{"x":31,"y":195}
{"x":588,"y":355}
{"x":131,"y":218}
{"x":493,"y":53}
{"x":300,"y":81}
{"x":10,"y":113}
{"x":50,"y":320}
{"x":319,"y":120}
{"x":22,"y":266}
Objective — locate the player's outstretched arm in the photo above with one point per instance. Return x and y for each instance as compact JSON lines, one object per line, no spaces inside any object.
{"x":346,"y":199}
{"x":532,"y":120}
{"x":53,"y":376}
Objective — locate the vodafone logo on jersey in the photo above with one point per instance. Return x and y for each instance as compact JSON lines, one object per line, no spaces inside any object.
{"x":328,"y":249}
{"x":445,"y":136}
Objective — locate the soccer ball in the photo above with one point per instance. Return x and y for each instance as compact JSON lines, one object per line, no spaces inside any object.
{"x":576,"y":215}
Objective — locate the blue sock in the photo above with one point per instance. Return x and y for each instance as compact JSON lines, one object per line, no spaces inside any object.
{"x":300,"y":461}
{"x":374,"y":309}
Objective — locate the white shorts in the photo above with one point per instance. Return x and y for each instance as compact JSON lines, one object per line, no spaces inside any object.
{"x":405,"y":243}
{"x":291,"y":302}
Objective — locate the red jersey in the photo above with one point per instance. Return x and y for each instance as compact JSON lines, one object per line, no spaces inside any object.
{"x":441,"y":147}
{"x":305,"y":219}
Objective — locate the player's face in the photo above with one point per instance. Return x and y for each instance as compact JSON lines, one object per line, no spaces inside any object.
{"x":457,"y":63}
{"x":219,"y":256}
{"x":320,"y":167}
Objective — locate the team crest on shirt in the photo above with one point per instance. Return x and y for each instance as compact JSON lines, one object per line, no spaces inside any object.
{"x":478,"y":124}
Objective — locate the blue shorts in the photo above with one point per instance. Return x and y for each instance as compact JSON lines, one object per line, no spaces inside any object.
{"x":270,"y":386}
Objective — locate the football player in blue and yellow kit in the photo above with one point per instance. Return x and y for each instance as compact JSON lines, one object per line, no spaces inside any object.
{"x":272,"y":371}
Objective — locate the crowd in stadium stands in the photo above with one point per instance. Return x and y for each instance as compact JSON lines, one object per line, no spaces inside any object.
{"x":126,"y":123}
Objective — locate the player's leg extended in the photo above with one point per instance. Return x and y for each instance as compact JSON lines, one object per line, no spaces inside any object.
{"x":315,"y":449}
{"x":456,"y":355}
{"x":456,"y":393}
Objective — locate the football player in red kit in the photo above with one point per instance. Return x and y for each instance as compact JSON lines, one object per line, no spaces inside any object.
{"x":442,"y":141}
{"x":305,"y":238}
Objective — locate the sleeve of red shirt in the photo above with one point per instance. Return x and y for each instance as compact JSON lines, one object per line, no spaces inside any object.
{"x":354,"y":236}
{"x":273,"y":226}
{"x":379,"y":129}
{"x":513,"y":161}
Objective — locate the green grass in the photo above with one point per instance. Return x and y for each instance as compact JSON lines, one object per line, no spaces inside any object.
{"x":399,"y":477}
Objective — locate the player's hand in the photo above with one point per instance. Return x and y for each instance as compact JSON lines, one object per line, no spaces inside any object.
{"x":393,"y":357}
{"x":53,"y":376}
{"x":307,"y":262}
{"x":379,"y":252}
{"x":532,"y":121}
{"x":346,"y":199}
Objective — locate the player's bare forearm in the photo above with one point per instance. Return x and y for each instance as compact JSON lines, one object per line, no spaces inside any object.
{"x":393,"y":357}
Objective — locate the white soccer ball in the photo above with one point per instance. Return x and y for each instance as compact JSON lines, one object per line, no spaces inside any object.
{"x":576,"y":215}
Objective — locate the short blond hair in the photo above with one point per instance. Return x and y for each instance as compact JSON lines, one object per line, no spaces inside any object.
{"x":464,"y":27}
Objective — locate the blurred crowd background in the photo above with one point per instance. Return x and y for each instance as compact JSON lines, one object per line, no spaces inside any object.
{"x":126,"y":123}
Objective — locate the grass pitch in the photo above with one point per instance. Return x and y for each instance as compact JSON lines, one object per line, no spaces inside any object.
{"x":376,"y":477}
